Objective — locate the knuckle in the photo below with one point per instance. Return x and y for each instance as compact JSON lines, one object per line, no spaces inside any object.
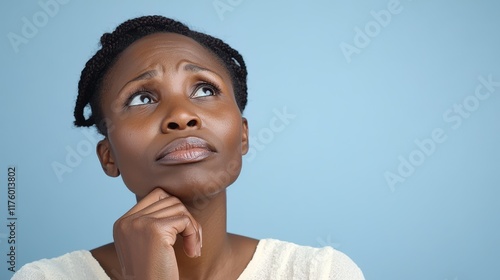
{"x":179,"y":208}
{"x":159,"y":192}
{"x":119,"y":225}
{"x":187,"y":219}
{"x":168,"y":239}
{"x":137,"y":224}
{"x":172,"y":200}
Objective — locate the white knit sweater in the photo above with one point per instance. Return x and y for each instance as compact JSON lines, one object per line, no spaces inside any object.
{"x":272,"y":260}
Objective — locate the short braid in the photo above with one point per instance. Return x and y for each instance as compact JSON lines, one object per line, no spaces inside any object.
{"x":112,"y":44}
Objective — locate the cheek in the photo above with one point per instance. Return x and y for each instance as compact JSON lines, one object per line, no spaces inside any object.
{"x":127,"y":145}
{"x":230,"y":131}
{"x":131,"y":157}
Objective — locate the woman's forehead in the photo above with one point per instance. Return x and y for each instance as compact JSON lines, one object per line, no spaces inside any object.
{"x":167,"y":49}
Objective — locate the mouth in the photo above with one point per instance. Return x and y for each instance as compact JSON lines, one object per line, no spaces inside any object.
{"x":185,"y":150}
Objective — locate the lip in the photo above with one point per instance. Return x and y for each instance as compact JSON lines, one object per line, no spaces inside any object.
{"x":185,"y":150}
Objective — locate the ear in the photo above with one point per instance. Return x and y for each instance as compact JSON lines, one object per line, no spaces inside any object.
{"x":106,"y":158}
{"x":244,"y":137}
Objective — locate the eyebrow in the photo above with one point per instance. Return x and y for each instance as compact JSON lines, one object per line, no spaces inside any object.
{"x":195,"y":68}
{"x":145,"y":76}
{"x":154,"y":72}
{"x":150,"y":74}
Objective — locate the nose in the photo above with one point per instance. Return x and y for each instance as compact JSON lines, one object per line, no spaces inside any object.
{"x":180,"y":118}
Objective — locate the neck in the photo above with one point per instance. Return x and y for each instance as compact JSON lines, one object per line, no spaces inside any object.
{"x":211,"y":214}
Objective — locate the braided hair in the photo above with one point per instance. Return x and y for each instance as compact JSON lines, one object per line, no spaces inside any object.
{"x":112,"y":44}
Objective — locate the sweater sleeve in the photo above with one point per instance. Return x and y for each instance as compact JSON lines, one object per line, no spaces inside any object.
{"x":276,"y":260}
{"x":328,"y":263}
{"x":30,"y":272}
{"x":78,"y":265}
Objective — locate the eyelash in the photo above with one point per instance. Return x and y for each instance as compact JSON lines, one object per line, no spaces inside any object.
{"x":215,"y":88}
{"x":143,"y":90}
{"x":140,"y":90}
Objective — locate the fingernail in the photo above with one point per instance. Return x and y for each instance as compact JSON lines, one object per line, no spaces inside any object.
{"x":201,"y":238}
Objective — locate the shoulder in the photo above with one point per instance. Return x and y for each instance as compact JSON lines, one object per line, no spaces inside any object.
{"x":275,"y":259}
{"x":75,"y":265}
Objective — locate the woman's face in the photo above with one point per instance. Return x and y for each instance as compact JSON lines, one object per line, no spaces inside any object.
{"x":172,"y":119}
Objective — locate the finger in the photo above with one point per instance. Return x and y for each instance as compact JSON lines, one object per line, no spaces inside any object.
{"x":193,"y":242}
{"x":165,"y":203}
{"x":164,"y":210}
{"x":170,"y":227}
{"x":152,"y":197}
{"x":192,"y":233}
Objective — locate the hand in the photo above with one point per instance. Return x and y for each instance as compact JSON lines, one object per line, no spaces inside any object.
{"x":145,"y":235}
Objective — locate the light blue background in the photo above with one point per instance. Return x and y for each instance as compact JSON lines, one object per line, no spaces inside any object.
{"x":318,"y":181}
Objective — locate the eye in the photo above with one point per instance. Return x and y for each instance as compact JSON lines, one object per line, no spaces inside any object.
{"x":205,"y":90}
{"x":140,"y":98}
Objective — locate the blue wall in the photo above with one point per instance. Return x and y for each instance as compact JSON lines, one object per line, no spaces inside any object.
{"x":390,"y":151}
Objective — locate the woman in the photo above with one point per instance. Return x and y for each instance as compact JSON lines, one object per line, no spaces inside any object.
{"x":169,"y":103}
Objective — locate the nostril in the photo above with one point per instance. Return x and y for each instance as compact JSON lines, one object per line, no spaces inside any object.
{"x":172,"y":125}
{"x":192,"y":123}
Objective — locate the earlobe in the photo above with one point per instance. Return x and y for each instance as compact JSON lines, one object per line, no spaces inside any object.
{"x":106,"y":158}
{"x":244,"y":137}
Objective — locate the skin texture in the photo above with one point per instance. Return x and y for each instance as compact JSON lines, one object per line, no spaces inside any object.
{"x":177,"y":137}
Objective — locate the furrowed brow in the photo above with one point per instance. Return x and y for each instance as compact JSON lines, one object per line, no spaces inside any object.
{"x":194,"y":68}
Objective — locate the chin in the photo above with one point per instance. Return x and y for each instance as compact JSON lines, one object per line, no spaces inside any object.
{"x":188,"y":183}
{"x":198,"y":186}
{"x":197,"y":189}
